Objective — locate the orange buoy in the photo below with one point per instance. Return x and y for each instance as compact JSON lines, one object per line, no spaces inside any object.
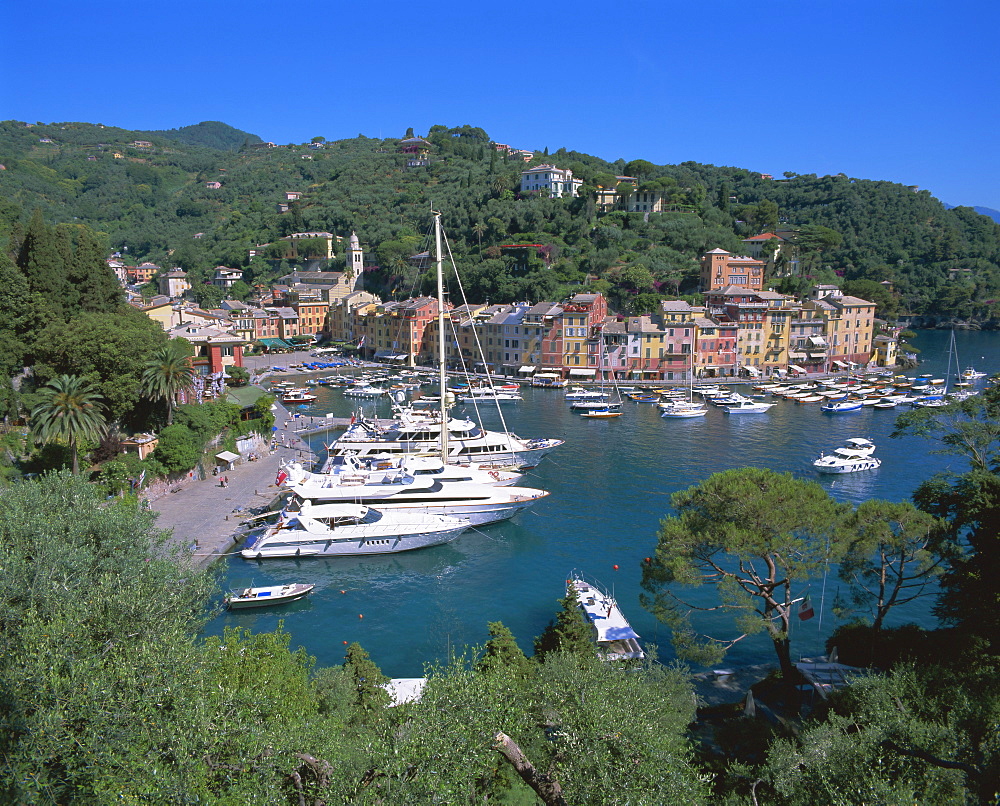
{"x":649,"y":559}
{"x":361,"y":615}
{"x":615,"y":567}
{"x":343,"y":591}
{"x":345,"y":642}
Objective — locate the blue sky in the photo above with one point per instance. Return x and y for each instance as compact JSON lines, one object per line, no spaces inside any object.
{"x":905,"y":92}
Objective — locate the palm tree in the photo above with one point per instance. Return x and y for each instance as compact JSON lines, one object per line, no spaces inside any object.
{"x":167,"y":374}
{"x":70,"y":411}
{"x":479,"y":228}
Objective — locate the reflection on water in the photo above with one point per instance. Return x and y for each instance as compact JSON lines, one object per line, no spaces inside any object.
{"x":610,"y":485}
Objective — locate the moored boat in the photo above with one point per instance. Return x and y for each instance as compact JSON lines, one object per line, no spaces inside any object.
{"x":297,"y":396}
{"x":615,"y":638}
{"x":856,"y":454}
{"x":747,"y":406}
{"x":346,"y":530}
{"x":267,"y":596}
{"x":841,"y":406}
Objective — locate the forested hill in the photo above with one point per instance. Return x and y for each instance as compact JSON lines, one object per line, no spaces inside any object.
{"x":158,"y":202}
{"x":209,"y":133}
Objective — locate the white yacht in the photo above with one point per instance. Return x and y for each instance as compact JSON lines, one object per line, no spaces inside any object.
{"x":489,"y":395}
{"x":854,"y":455}
{"x":421,"y":432}
{"x":615,"y":638}
{"x":351,"y":471}
{"x":579,"y":393}
{"x":342,"y":530}
{"x":467,"y":493}
{"x":595,"y":404}
{"x":747,"y":405}
{"x":365,"y":390}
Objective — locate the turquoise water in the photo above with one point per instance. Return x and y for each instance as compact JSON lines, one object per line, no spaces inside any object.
{"x":610,"y":485}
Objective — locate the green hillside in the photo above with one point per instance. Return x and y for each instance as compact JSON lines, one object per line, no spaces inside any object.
{"x":151,"y":203}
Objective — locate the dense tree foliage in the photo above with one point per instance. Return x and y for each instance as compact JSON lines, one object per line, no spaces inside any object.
{"x":109,"y":693}
{"x":758,"y":536}
{"x":152,"y":202}
{"x":970,"y":503}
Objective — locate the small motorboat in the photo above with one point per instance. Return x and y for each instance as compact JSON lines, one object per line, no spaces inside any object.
{"x":601,"y":414}
{"x":841,"y":406}
{"x":265,"y":597}
{"x":747,"y":406}
{"x":297,"y":396}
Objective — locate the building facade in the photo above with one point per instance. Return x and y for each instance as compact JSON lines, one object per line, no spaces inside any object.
{"x":549,"y":180}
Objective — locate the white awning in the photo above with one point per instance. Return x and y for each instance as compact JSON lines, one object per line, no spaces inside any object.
{"x":797,"y":368}
{"x":526,"y":369}
{"x":582,"y":373}
{"x":840,"y":364}
{"x":753,"y":372}
{"x":227,"y":456}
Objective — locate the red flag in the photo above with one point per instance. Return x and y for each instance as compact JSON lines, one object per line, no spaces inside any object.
{"x":280,"y":478}
{"x":352,"y":419}
{"x":806,"y":611}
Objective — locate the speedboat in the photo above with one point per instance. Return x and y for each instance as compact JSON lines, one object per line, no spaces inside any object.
{"x":345,"y":530}
{"x":601,"y":414}
{"x":971,"y":374}
{"x":265,"y":597}
{"x":364,"y":390}
{"x":856,"y":454}
{"x":297,"y":396}
{"x":615,"y":638}
{"x":841,"y":406}
{"x":747,"y":406}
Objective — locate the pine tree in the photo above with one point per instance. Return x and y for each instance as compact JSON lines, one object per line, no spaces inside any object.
{"x":502,"y":652}
{"x":569,"y":633}
{"x":41,"y":262}
{"x":98,"y":287}
{"x":367,"y":679}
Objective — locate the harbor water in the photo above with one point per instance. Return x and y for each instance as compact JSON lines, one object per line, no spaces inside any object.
{"x":610,"y":486}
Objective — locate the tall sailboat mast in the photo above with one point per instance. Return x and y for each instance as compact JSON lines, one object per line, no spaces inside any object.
{"x":442,"y":369}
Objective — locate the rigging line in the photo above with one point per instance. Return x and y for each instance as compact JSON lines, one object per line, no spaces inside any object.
{"x":822,"y":598}
{"x":475,"y":335}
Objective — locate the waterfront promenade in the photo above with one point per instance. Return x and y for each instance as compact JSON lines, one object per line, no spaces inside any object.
{"x":206,"y":517}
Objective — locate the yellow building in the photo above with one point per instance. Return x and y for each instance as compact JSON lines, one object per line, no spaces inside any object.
{"x":850,"y":325}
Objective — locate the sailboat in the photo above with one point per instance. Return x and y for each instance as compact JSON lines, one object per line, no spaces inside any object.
{"x":600,"y":407}
{"x":937,"y":396}
{"x":456,"y":440}
{"x":684,"y":409}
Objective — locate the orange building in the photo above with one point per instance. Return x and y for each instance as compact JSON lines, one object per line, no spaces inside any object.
{"x":720,"y":268}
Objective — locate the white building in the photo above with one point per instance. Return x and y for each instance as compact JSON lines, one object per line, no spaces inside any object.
{"x":547,"y":178}
{"x":225,"y":277}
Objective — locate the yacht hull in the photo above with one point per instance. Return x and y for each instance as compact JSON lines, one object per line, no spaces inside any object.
{"x":303,"y":544}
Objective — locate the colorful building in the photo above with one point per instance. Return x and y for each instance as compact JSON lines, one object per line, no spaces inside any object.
{"x":720,"y":268}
